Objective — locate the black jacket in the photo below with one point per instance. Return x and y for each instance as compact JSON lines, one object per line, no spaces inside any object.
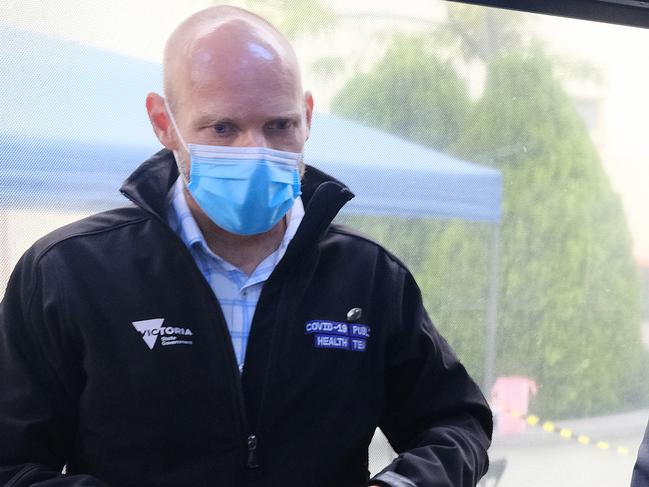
{"x":82,"y":387}
{"x":641,"y":469}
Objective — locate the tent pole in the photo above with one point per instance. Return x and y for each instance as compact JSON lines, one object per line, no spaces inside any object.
{"x":4,"y":249}
{"x":492,"y":310}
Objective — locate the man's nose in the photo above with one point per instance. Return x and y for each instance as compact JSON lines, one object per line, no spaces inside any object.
{"x":253,"y":138}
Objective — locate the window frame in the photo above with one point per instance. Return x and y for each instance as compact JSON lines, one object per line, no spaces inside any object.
{"x":633,"y":13}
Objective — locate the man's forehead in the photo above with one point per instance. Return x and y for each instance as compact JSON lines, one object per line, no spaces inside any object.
{"x":238,"y":30}
{"x":206,"y":118}
{"x":237,"y":52}
{"x":244,"y":60}
{"x":244,"y":100}
{"x":237,"y":41}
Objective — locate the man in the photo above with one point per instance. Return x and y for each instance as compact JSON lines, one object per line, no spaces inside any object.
{"x":221,"y":331}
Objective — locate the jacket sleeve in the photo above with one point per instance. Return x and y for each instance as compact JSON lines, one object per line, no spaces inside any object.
{"x":641,"y":470}
{"x":40,"y":373}
{"x":435,"y":416}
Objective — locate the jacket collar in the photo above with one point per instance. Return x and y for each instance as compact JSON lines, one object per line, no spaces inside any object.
{"x":323,"y":196}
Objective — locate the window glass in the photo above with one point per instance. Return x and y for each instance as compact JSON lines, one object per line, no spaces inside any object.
{"x":510,"y":175}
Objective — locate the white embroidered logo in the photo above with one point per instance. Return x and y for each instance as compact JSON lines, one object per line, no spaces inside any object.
{"x":170,"y":335}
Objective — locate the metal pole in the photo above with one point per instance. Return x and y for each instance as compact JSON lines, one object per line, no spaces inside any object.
{"x":4,"y":249}
{"x":492,"y":310}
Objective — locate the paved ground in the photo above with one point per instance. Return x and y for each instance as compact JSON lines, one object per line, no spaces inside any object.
{"x":540,"y":459}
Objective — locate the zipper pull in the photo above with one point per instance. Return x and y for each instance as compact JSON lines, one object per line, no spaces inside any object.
{"x":252,"y":452}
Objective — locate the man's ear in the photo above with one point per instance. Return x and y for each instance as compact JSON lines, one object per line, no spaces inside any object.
{"x":155,"y":107}
{"x":308,"y":106}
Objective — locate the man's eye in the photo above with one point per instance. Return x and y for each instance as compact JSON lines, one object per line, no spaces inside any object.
{"x":282,"y":124}
{"x":223,"y":128}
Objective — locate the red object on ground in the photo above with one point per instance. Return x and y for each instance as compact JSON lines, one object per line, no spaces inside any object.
{"x":511,"y":394}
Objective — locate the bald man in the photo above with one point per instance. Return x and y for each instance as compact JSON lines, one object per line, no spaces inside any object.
{"x":221,"y":330}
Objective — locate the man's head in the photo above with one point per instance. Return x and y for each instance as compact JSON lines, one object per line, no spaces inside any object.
{"x":230,"y":79}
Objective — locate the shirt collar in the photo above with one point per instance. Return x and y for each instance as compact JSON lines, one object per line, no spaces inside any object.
{"x":183,"y":223}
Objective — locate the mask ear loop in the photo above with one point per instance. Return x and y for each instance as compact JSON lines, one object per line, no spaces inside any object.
{"x":182,"y":141}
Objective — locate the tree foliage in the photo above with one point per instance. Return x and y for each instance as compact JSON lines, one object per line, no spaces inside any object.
{"x":428,"y":102}
{"x":569,"y":286}
{"x":296,"y":18}
{"x":471,"y":33}
{"x":569,"y":291}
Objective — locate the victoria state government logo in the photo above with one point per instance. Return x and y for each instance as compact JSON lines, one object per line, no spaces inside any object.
{"x":169,"y":335}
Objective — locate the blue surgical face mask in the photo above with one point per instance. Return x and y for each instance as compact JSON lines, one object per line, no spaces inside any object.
{"x":244,"y":190}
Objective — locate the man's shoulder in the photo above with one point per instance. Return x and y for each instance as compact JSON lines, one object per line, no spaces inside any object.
{"x":362,"y":245}
{"x":91,"y":226}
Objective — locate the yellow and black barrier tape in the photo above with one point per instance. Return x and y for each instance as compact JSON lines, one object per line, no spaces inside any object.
{"x":567,"y":433}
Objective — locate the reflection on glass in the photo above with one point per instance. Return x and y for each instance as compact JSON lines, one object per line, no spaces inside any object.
{"x":555,"y":105}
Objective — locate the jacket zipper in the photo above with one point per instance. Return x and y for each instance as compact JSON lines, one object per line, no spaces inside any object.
{"x":249,"y":440}
{"x":253,"y":462}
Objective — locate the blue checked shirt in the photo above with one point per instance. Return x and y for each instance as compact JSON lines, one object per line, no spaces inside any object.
{"x":237,"y":292}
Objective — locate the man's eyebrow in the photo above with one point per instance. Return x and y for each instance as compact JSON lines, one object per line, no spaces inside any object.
{"x":294,"y":116}
{"x":206,"y":120}
{"x":285,"y":115}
